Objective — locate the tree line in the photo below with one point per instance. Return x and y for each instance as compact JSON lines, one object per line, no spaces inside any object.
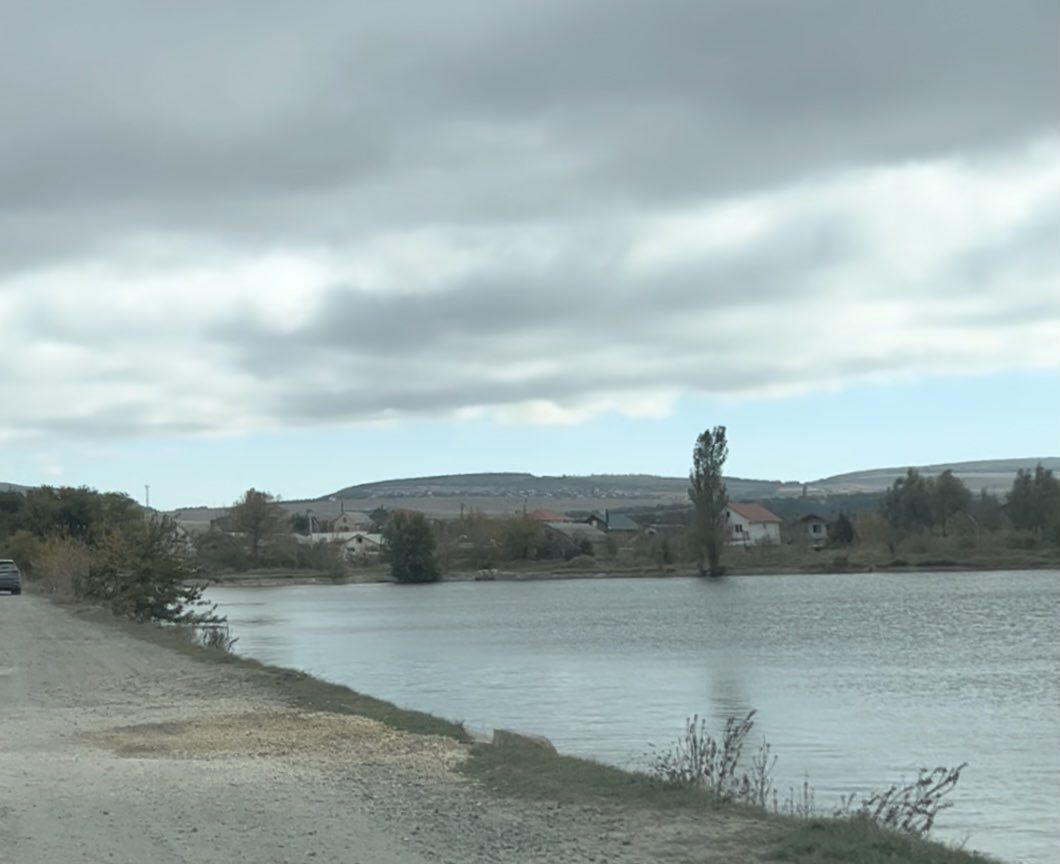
{"x":915,"y":503}
{"x":103,"y":547}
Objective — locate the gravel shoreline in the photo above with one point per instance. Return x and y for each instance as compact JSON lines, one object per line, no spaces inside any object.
{"x":118,"y":749}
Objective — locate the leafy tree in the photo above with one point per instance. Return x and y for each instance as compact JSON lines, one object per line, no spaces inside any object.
{"x":841,"y":532}
{"x":918,"y":503}
{"x":411,"y":547}
{"x":218,"y":550}
{"x":987,"y":512}
{"x":260,"y":520}
{"x":1034,"y":501}
{"x":11,"y":506}
{"x":950,"y":496}
{"x":142,"y":572}
{"x":469,"y":541}
{"x":709,"y":496}
{"x":81,"y":512}
{"x":521,"y":538}
{"x":909,"y":503}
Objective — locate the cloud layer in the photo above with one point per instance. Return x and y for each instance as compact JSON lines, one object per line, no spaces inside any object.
{"x":224,"y":218}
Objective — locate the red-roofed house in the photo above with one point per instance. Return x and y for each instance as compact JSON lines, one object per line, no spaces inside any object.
{"x":750,"y":524}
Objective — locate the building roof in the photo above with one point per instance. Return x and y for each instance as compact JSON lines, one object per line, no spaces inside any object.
{"x":615,"y":521}
{"x":366,"y":537}
{"x":754,"y":513}
{"x":813,"y":517}
{"x":578,"y":530}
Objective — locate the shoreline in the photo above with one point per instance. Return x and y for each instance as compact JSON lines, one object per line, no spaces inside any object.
{"x":605,"y":813}
{"x":267,"y":580}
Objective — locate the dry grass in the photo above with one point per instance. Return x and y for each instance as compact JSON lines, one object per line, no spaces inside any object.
{"x":335,"y":737}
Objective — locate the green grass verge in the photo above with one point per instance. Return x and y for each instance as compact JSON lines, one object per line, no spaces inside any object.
{"x":859,"y":841}
{"x":527,"y":771}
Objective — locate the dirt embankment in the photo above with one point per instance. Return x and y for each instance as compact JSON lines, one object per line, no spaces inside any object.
{"x":115,"y":749}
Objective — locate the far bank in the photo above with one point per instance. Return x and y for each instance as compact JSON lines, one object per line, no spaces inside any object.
{"x":740,"y":562}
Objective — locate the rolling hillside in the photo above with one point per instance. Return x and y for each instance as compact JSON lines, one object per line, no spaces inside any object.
{"x":512,"y":491}
{"x":994,"y":475}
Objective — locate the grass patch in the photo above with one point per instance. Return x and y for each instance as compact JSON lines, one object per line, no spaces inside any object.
{"x":527,"y":771}
{"x":860,"y":841}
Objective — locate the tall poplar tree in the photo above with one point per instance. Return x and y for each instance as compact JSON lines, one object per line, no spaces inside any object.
{"x":709,"y":496}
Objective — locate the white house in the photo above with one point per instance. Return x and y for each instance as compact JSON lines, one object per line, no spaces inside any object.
{"x":364,"y":548}
{"x":752,"y":524}
{"x":359,"y":547}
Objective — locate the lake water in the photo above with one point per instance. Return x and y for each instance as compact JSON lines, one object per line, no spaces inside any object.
{"x":858,"y":680}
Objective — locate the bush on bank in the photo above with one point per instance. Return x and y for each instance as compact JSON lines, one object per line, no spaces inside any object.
{"x":79,"y":544}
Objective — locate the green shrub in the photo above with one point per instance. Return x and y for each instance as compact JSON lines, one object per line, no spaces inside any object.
{"x":411,"y":548}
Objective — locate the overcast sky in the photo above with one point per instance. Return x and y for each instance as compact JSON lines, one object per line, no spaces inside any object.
{"x":306,"y":245}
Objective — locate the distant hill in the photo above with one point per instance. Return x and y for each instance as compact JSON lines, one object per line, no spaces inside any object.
{"x":507,"y":492}
{"x":994,"y":475}
{"x":12,"y":487}
{"x":515,"y":488}
{"x":513,"y":492}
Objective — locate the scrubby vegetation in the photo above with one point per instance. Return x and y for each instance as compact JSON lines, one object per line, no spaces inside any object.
{"x":80,"y":544}
{"x":881,"y":826}
{"x":718,"y":766}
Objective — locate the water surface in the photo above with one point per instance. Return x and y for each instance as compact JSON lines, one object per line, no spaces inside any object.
{"x":858,"y":680}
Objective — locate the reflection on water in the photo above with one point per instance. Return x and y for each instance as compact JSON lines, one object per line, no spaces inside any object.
{"x":858,"y":679}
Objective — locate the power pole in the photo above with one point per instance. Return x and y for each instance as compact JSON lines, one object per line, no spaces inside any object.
{"x":147,"y":495}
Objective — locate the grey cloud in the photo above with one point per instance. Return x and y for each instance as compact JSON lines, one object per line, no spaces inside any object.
{"x":1031,"y":250}
{"x":579,"y":299}
{"x":248,"y":127}
{"x":112,"y":422}
{"x":275,"y":122}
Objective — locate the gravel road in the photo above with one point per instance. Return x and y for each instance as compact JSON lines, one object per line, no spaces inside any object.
{"x":114,"y":749}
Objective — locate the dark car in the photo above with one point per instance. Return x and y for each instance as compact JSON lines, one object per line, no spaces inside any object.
{"x":10,"y":576}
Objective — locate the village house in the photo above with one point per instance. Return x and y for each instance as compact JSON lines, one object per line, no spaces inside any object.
{"x":358,"y":547}
{"x":613,"y":523}
{"x":350,"y":520}
{"x":814,"y":528}
{"x":364,"y":548}
{"x":577,"y":536}
{"x":751,"y":525}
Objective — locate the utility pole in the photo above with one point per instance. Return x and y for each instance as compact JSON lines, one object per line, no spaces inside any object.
{"x":147,"y":495}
